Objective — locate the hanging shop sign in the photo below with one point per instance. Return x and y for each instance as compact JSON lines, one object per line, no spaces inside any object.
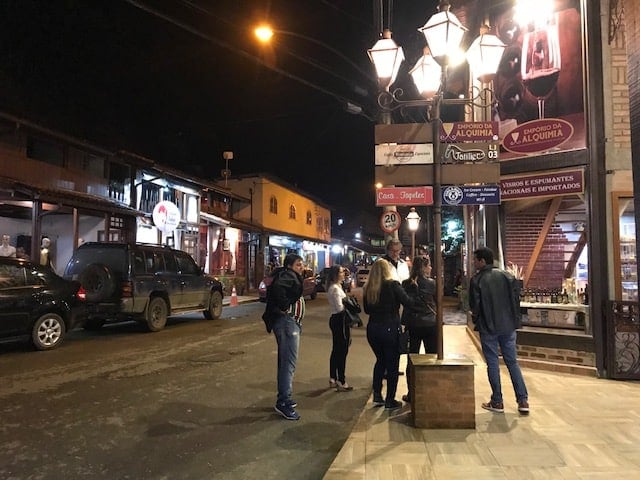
{"x":390,"y":221}
{"x":476,"y":152}
{"x":404,"y":153}
{"x":469,"y":132}
{"x":453,"y":195}
{"x":166,"y":216}
{"x":404,"y":196}
{"x":545,"y":185}
{"x":538,"y":136}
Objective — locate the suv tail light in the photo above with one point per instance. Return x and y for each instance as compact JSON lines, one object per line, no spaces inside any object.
{"x":127,"y":289}
{"x":81,"y":294}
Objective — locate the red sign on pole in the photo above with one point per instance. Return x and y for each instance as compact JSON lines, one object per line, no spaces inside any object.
{"x":404,"y":196}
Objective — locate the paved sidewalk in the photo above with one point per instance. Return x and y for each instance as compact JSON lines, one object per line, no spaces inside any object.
{"x":579,"y":428}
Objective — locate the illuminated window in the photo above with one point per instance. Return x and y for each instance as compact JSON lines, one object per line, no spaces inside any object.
{"x":292,"y":211}
{"x":273,"y":205}
{"x":309,"y":220}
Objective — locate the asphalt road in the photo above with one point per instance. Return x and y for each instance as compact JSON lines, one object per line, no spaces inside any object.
{"x":194,"y":401}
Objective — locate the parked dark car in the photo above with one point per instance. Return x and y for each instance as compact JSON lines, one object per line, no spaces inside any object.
{"x":36,"y":304}
{"x":141,"y":282}
{"x":321,"y":280}
{"x":308,"y":286}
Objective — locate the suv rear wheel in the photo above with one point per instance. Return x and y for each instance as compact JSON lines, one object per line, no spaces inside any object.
{"x":215,"y":306}
{"x":156,"y":314}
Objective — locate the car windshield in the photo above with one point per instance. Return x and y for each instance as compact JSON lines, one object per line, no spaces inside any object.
{"x":114,"y":258}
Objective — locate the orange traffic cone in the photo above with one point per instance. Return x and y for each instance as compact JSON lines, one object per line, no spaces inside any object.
{"x":234,"y":297}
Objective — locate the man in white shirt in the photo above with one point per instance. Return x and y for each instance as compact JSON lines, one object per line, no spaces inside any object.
{"x":400,"y":267}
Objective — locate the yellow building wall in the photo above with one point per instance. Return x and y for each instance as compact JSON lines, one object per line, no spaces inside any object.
{"x":261,"y":189}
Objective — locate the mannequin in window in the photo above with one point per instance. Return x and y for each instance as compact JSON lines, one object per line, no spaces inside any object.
{"x":45,"y":253}
{"x":7,"y":250}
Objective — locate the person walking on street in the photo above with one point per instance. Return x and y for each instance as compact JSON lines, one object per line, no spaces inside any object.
{"x":421,"y":320}
{"x":285,"y":310}
{"x":400,"y":268}
{"x":340,"y":331}
{"x":383,"y":296}
{"x":495,"y":306}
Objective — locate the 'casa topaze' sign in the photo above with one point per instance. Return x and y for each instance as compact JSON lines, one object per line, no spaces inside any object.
{"x":404,"y":196}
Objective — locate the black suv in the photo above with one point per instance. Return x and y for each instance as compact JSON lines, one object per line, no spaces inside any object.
{"x":146,"y":283}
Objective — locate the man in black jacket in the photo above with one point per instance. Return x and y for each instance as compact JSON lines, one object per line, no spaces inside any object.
{"x":495,"y":305}
{"x":283,"y":314}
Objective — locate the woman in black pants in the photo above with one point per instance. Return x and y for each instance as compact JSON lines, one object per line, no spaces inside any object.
{"x":340,"y":331}
{"x":382,"y":298}
{"x":421,"y":320}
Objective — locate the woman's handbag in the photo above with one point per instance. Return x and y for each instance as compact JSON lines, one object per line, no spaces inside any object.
{"x":351,"y":311}
{"x":351,"y":303}
{"x":351,"y":319}
{"x":421,"y":319}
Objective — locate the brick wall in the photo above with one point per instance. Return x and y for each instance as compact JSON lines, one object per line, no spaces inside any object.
{"x":621,"y":123}
{"x":522,"y":231}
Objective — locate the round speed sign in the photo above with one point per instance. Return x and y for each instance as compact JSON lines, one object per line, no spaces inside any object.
{"x":390,"y":221}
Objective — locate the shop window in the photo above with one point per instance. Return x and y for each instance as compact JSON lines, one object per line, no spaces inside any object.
{"x":45,"y":151}
{"x":119,"y":177}
{"x":309,"y":219}
{"x":86,"y":162}
{"x":624,"y":239}
{"x":273,"y":205}
{"x":292,"y":212}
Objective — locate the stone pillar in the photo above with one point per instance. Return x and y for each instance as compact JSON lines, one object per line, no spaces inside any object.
{"x":443,"y":394}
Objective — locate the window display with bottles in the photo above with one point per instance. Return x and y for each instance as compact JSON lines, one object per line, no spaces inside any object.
{"x":624,"y":235}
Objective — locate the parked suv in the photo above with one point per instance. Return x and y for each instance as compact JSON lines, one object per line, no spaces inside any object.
{"x":146,"y":283}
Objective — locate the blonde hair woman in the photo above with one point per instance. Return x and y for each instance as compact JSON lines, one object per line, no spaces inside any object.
{"x":382,"y":299}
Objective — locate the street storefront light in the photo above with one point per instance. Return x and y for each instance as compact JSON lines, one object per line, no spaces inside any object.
{"x":387,"y":57}
{"x":413,"y":220}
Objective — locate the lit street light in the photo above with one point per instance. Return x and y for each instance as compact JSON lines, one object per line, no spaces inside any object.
{"x":413,"y":221}
{"x":443,"y":33}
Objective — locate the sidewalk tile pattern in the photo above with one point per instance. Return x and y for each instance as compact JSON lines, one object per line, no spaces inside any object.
{"x":579,"y":428}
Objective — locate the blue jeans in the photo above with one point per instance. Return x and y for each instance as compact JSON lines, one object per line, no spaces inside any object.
{"x":287,"y":333}
{"x":507,"y":343}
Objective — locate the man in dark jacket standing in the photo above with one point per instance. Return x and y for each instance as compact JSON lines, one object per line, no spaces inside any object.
{"x":495,"y":306}
{"x":284,"y":312}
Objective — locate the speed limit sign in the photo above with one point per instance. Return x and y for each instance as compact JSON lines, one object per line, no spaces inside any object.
{"x":390,"y":221}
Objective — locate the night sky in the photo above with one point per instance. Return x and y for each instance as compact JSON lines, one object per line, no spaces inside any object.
{"x":182,"y":81}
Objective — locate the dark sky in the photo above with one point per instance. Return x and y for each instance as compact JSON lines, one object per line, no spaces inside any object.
{"x":180,"y":81}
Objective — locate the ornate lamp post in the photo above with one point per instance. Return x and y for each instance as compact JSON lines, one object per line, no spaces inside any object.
{"x":443,"y":32}
{"x":413,"y":221}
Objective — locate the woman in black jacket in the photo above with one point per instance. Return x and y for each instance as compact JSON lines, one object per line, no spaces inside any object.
{"x":382,"y":299}
{"x":421,"y":320}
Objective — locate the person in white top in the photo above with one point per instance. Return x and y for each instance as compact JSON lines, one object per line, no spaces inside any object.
{"x":7,"y":250}
{"x":340,"y":331}
{"x":400,"y":267}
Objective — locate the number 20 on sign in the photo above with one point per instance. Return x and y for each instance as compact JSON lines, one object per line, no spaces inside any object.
{"x":390,"y":221}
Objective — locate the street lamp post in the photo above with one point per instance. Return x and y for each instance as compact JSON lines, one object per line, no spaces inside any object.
{"x":443,"y":33}
{"x":413,"y":221}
